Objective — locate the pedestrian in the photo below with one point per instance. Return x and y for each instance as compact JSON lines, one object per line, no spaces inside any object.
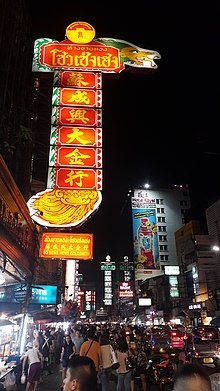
{"x":123,"y":375}
{"x":91,"y":348}
{"x":46,"y":350}
{"x":35,"y":360}
{"x":139,"y":352}
{"x":78,"y":340}
{"x":190,"y":377}
{"x":68,"y":351}
{"x":106,"y":364}
{"x":80,"y":375}
{"x":59,"y":335}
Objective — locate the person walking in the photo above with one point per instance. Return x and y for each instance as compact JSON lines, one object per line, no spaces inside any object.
{"x":139,"y":352}
{"x":46,"y":349}
{"x":59,"y":335}
{"x":35,"y":360}
{"x":68,"y":351}
{"x":123,"y":374}
{"x":91,"y":348}
{"x":77,"y":340}
{"x":106,"y":366}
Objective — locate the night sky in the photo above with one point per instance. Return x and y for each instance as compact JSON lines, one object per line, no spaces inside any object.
{"x":159,"y":126}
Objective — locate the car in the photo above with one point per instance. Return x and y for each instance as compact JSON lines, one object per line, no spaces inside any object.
{"x":160,"y":341}
{"x":177,"y":337}
{"x":203,"y":345}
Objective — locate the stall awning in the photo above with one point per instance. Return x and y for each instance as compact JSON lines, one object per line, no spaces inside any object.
{"x":6,"y":322}
{"x":46,"y":317}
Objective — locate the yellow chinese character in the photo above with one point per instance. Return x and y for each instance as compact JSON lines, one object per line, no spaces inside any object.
{"x":75,"y":175}
{"x":75,"y":135}
{"x":76,"y":157}
{"x":76,"y":79}
{"x":79,"y":97}
{"x":78,"y":114}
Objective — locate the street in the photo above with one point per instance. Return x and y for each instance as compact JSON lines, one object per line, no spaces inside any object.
{"x":53,"y":382}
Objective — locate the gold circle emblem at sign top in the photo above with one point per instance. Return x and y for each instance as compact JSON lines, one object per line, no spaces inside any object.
{"x":80,"y":32}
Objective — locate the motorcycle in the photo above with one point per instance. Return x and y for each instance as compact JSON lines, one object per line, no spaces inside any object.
{"x":160,"y":371}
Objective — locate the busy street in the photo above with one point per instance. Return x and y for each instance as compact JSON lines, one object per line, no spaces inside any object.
{"x":154,"y":356}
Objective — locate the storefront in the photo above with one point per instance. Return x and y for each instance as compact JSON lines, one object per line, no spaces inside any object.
{"x":18,"y":252}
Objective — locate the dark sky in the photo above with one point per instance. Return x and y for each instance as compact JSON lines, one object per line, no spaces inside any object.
{"x":159,"y":126}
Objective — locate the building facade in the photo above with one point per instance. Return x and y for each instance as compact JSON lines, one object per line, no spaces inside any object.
{"x":164,"y":210}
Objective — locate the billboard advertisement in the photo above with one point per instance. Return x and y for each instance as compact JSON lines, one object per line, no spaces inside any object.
{"x":145,"y":239}
{"x":40,"y":294}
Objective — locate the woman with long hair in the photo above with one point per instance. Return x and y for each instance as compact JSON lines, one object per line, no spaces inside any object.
{"x":106,"y":370}
{"x":68,"y":351}
{"x":124,"y":381}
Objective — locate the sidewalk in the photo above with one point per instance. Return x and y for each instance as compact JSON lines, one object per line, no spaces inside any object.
{"x":53,"y":382}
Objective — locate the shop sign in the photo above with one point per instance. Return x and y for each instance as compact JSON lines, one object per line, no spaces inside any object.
{"x":64,"y":56}
{"x":76,"y":97}
{"x":107,"y":265}
{"x":126,"y":266}
{"x":75,"y":156}
{"x":66,"y":246}
{"x":78,"y":79}
{"x":127,"y":293}
{"x":71,"y":135}
{"x":62,"y":115}
{"x":66,"y":178}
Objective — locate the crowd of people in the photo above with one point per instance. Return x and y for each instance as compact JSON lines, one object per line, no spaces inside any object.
{"x":85,"y":357}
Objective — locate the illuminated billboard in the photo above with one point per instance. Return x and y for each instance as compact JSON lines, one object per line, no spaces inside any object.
{"x":66,"y":245}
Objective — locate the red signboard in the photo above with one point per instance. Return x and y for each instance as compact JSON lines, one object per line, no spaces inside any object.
{"x":66,"y":178}
{"x":76,"y":116}
{"x":78,"y":79}
{"x":76,"y":136}
{"x":66,"y":245}
{"x":77,"y":97}
{"x":67,"y":55}
{"x":78,"y":157}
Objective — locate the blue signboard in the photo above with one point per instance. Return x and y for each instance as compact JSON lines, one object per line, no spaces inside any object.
{"x":41,"y":294}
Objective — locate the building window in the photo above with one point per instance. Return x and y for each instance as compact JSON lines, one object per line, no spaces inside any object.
{"x":162,"y":228}
{"x":162,"y":238}
{"x":163,"y":247}
{"x":160,"y":210}
{"x":161,"y":220}
{"x":159,"y":201}
{"x":164,"y":257}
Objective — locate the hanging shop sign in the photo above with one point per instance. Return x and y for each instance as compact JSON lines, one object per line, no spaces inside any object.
{"x":75,"y":157}
{"x":66,"y":246}
{"x":76,"y":97}
{"x":84,"y":52}
{"x":73,"y":135}
{"x":77,"y":64}
{"x":78,"y":79}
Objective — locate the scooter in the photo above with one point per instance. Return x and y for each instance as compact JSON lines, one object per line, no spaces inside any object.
{"x":160,"y":371}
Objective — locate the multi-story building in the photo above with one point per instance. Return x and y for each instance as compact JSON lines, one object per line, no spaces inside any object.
{"x":198,"y":258}
{"x":213,"y":224}
{"x":163,"y":212}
